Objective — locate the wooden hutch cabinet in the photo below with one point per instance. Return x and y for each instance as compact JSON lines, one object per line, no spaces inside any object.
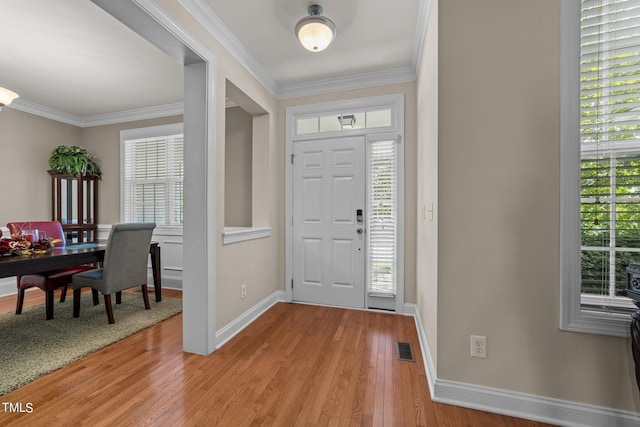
{"x":74,"y":203}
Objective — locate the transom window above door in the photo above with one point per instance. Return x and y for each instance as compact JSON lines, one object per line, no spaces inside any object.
{"x":344,"y":121}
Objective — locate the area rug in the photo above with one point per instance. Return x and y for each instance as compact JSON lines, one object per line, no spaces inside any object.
{"x":31,"y":346}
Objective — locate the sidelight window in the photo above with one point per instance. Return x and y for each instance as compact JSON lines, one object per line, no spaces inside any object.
{"x":382,"y":221}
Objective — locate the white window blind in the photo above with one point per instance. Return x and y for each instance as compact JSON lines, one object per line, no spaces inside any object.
{"x":153,"y":179}
{"x":382,"y":217}
{"x":610,"y":70}
{"x":610,"y":148}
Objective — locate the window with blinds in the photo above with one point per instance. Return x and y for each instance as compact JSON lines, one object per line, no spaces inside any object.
{"x":153,"y":171}
{"x":382,"y":218}
{"x":610,"y":221}
{"x":610,"y":148}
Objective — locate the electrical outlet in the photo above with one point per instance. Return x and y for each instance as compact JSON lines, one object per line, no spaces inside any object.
{"x":478,"y":346}
{"x":243,"y":291}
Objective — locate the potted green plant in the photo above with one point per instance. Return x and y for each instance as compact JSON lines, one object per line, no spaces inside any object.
{"x":73,"y":161}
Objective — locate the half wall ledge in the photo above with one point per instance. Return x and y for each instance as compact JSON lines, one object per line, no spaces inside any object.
{"x":240,"y":234}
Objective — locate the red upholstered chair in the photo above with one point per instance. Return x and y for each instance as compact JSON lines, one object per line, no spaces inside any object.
{"x":48,"y":281}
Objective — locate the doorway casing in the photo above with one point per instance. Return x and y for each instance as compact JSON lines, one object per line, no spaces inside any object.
{"x":394,"y":131}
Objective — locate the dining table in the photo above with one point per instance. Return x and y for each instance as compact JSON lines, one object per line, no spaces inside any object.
{"x":70,"y":255}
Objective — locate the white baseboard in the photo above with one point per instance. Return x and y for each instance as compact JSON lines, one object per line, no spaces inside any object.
{"x":537,"y":408}
{"x":412,"y":310}
{"x":8,"y":286}
{"x":244,"y":320}
{"x":515,"y":404}
{"x":167,"y":283}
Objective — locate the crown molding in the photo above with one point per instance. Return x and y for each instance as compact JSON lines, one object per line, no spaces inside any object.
{"x":214,"y":25}
{"x":100,"y":119}
{"x":42,"y":111}
{"x":353,"y":81}
{"x":133,"y":115}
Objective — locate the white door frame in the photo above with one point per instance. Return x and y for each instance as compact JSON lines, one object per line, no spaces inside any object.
{"x":396,"y":103}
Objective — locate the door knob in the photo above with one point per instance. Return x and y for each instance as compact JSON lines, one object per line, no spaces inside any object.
{"x":360,"y":230}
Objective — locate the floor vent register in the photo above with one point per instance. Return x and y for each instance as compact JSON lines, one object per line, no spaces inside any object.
{"x":405,"y":352}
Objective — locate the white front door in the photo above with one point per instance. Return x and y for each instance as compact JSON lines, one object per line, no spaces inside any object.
{"x":328,"y":235}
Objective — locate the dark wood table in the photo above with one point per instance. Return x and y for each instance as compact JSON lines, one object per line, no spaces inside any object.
{"x":72,"y":255}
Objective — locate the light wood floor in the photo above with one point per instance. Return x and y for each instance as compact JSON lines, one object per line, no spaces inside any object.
{"x":297,"y":365}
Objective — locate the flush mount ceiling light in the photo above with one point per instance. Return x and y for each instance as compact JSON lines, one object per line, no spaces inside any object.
{"x":6,"y":96}
{"x":315,"y":31}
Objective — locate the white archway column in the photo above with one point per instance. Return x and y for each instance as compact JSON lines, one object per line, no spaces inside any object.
{"x":199,"y":254}
{"x":198,"y":284}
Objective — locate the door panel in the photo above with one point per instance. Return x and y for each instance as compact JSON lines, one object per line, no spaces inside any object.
{"x":312,"y":259}
{"x":312,"y":206}
{"x":328,"y":252}
{"x":342,"y":204}
{"x":343,"y":273}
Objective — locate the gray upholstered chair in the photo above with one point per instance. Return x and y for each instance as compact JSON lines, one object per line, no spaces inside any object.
{"x":125,"y":266}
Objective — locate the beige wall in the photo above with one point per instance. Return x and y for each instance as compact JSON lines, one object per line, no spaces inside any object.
{"x":427,"y":186}
{"x":32,"y":138}
{"x":238,"y":164}
{"x":409,"y":91}
{"x":26,"y":141}
{"x":496,"y":200}
{"x":103,"y":142}
{"x":250,"y":262}
{"x":498,"y":196}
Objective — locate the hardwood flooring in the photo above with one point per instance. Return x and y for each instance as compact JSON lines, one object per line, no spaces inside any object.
{"x":297,"y":365}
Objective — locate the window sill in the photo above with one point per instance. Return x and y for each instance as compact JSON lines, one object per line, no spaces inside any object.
{"x":240,"y":234}
{"x":591,"y":322}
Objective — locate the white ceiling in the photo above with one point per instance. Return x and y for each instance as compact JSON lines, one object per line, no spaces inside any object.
{"x":71,"y":56}
{"x":372,"y":35}
{"x":72,"y":59}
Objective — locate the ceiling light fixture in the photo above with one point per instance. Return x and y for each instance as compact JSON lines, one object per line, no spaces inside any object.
{"x":6,"y":96}
{"x":315,"y":31}
{"x":347,"y":121}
